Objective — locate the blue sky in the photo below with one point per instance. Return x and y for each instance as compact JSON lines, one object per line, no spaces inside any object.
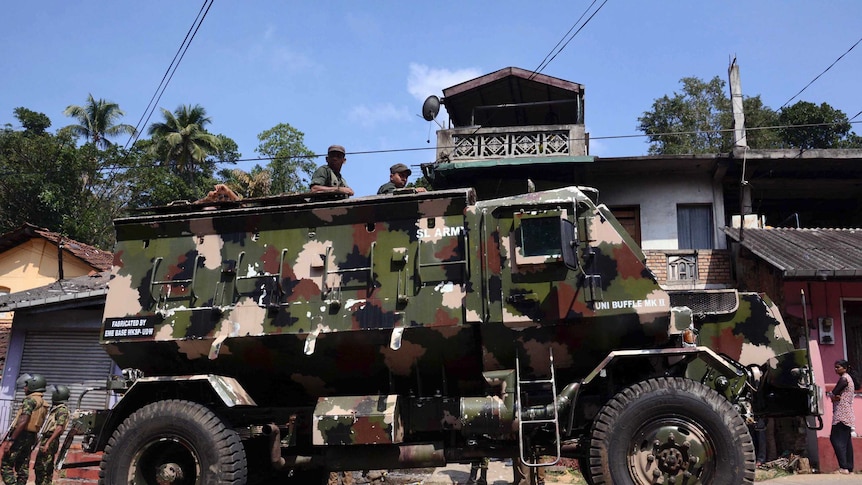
{"x":356,"y":72}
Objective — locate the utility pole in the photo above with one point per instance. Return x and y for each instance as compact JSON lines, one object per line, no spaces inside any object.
{"x":739,"y":140}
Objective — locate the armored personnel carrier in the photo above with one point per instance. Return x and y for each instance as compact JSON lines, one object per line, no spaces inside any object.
{"x":279,"y":339}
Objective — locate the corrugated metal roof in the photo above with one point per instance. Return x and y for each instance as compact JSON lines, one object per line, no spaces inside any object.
{"x":806,"y":253}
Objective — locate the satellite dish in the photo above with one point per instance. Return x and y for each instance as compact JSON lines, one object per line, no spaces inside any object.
{"x":430,"y":108}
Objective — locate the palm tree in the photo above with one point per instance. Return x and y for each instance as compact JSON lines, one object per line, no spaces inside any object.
{"x":182,"y":140}
{"x":96,"y":121}
{"x":256,"y":183}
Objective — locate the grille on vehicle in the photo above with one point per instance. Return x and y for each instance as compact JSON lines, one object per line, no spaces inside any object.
{"x":708,"y":302}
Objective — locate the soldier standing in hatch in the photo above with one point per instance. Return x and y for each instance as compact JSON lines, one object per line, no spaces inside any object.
{"x":21,"y":437}
{"x":49,"y":441}
{"x":327,"y":178}
{"x":398,"y":175}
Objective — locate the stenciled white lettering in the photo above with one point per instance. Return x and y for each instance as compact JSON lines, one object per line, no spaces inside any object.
{"x":622,"y":304}
{"x":440,"y":232}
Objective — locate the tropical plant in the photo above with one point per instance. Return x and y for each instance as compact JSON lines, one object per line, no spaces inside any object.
{"x":182,"y":141}
{"x":97,"y":121}
{"x":256,"y":183}
{"x":50,"y":182}
{"x":291,"y":162}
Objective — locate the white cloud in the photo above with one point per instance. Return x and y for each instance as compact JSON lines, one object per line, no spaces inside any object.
{"x":368,"y":116}
{"x":423,"y":81}
{"x":273,"y":48}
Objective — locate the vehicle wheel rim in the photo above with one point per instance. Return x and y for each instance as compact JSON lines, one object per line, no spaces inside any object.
{"x":672,"y":451}
{"x":166,"y":451}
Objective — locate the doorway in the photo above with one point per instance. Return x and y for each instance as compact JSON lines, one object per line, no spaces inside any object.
{"x":853,"y":332}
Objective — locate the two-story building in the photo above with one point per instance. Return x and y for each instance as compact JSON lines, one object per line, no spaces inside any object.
{"x":514,"y":130}
{"x":703,"y":220}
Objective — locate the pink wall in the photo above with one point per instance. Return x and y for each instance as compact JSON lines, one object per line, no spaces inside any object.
{"x":824,"y":299}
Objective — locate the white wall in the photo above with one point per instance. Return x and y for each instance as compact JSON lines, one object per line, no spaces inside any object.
{"x":657,"y":196}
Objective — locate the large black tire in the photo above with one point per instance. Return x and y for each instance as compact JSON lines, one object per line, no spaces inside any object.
{"x":179,"y":434}
{"x":584,"y":468}
{"x":670,"y":427}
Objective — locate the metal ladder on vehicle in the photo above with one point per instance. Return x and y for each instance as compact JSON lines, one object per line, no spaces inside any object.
{"x":523,"y":388}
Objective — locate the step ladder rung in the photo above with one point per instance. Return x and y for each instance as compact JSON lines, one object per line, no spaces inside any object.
{"x":538,"y":421}
{"x":543,"y":384}
{"x":539,"y":381}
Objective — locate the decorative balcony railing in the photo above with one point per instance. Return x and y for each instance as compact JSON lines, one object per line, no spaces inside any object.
{"x":476,"y":144}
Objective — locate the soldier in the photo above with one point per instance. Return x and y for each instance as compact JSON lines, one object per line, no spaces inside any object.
{"x":49,"y":441}
{"x":327,"y":178}
{"x":21,"y":436}
{"x":479,"y":472}
{"x":398,"y":175}
{"x":526,"y":475}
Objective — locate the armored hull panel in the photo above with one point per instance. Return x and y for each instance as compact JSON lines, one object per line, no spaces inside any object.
{"x":416,"y":294}
{"x":320,"y":292}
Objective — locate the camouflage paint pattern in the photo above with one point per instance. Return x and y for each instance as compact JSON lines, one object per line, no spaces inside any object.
{"x":755,"y":335}
{"x":418,"y":295}
{"x":360,"y":420}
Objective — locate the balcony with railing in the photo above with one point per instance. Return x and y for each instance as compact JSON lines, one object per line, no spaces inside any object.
{"x":478,"y":144}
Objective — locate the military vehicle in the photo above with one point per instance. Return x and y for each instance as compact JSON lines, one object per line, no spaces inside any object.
{"x":283,"y":338}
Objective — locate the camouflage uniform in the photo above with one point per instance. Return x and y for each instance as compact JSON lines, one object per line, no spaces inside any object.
{"x":386,"y":188}
{"x":324,"y":175}
{"x":476,"y":477}
{"x":44,"y":465}
{"x":16,"y":461}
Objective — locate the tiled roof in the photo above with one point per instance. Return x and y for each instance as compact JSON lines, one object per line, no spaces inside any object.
{"x":95,"y":257}
{"x":81,"y":288}
{"x":806,"y":253}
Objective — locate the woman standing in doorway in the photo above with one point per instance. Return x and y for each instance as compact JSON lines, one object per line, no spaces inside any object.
{"x":843,"y":420}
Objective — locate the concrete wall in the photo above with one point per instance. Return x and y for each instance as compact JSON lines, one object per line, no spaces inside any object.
{"x":658,"y":196}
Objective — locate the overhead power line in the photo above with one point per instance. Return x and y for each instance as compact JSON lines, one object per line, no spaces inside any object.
{"x":822,"y":73}
{"x":169,"y":73}
{"x":552,"y":55}
{"x":403,"y":150}
{"x":608,"y":137}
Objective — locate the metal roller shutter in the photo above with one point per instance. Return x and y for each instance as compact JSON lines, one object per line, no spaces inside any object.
{"x":72,"y":358}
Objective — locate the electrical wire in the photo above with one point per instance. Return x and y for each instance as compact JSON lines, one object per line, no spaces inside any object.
{"x":541,"y":64}
{"x":169,"y":73}
{"x":822,"y":73}
{"x":417,"y":149}
{"x":545,"y":64}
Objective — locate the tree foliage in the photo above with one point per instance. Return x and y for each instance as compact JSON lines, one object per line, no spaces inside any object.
{"x":34,"y":123}
{"x":152,"y":182}
{"x":690,"y":121}
{"x":291,"y":162}
{"x":182,"y":141}
{"x":256,"y":183}
{"x":805,"y":125}
{"x":699,"y":119}
{"x":97,"y":120}
{"x":50,"y":182}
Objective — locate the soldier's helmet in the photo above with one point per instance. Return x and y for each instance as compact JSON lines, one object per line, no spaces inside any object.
{"x":33,"y":382}
{"x":59,"y":393}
